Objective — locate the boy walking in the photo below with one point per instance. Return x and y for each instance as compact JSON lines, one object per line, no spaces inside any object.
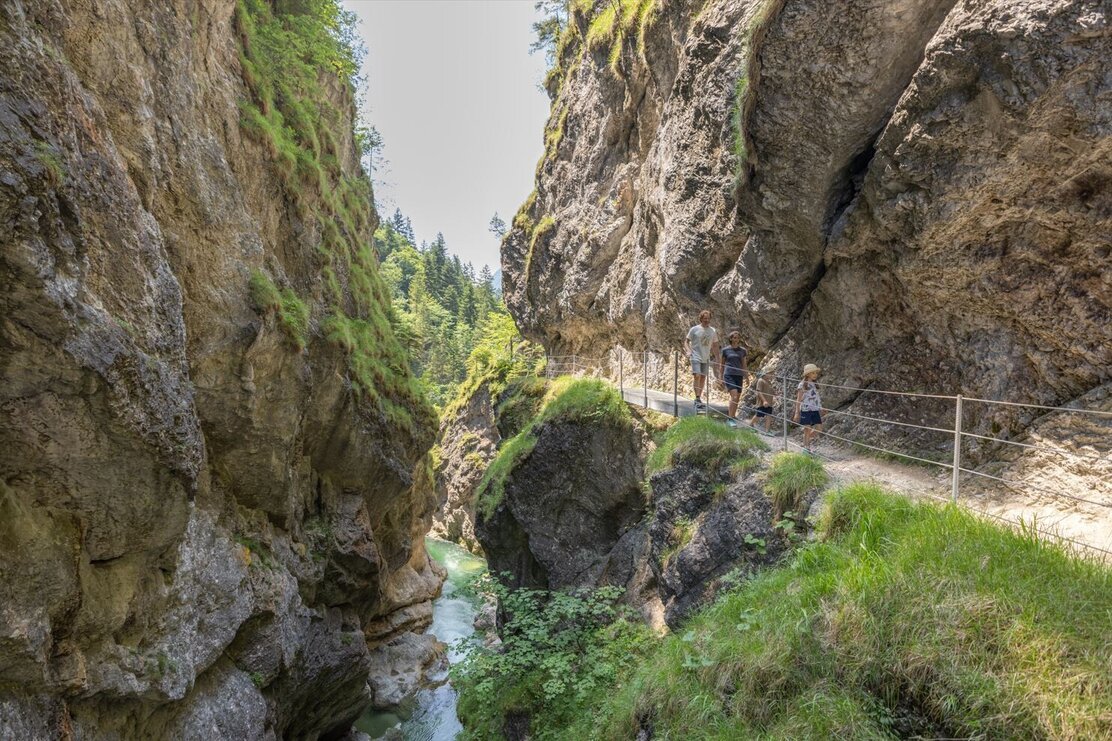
{"x":701,"y":345}
{"x":766,"y":397}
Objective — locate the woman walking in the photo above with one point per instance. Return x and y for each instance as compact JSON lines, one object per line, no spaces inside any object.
{"x":808,"y":406}
{"x":733,"y":371}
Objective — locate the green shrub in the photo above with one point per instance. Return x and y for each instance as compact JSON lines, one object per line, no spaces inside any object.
{"x":906,"y":620}
{"x":705,"y":443}
{"x":790,"y":476}
{"x":561,"y":653}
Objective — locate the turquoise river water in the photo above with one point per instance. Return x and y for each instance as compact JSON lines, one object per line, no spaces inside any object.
{"x":432,"y":715}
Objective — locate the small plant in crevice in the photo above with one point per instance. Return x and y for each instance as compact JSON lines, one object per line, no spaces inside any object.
{"x":757,"y":544}
{"x":683,"y":530}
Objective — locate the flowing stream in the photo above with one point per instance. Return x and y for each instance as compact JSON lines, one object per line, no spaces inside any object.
{"x":432,"y":715}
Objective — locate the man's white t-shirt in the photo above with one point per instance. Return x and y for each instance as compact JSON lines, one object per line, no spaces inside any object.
{"x":701,"y":339}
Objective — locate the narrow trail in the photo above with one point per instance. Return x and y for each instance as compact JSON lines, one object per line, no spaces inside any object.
{"x":1077,"y":524}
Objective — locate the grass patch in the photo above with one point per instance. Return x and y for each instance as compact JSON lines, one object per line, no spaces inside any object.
{"x":292,"y":313}
{"x":790,"y":476}
{"x":618,"y":21}
{"x":683,"y":530}
{"x":906,"y":620}
{"x":579,"y":400}
{"x":539,"y":232}
{"x":519,"y":403}
{"x":704,"y":443}
{"x":51,"y":162}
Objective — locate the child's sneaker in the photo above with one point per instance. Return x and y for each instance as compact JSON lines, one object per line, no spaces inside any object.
{"x":699,"y":404}
{"x":731,"y":422}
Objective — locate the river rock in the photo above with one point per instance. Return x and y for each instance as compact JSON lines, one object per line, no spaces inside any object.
{"x":572,"y":509}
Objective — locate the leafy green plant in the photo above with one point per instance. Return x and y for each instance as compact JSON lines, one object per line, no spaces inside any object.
{"x":561,"y":653}
{"x":758,"y":544}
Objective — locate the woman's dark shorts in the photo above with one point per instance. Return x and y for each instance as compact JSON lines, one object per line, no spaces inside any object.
{"x":807,"y":419}
{"x":733,"y":383}
{"x":763,"y":412}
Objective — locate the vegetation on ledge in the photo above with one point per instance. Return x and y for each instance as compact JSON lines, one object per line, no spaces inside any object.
{"x":705,"y":443}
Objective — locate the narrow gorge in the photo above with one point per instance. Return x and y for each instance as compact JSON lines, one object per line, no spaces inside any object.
{"x":245,"y":418}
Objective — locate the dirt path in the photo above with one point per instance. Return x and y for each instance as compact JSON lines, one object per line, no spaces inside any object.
{"x":1089,"y":524}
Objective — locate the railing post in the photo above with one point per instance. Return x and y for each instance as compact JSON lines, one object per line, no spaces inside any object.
{"x":707,"y":384}
{"x":957,"y":451}
{"x":645,"y":379}
{"x":676,"y":383}
{"x":621,"y":373}
{"x":785,"y":411}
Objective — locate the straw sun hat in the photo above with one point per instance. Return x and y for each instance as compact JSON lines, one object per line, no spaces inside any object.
{"x":811,"y":368}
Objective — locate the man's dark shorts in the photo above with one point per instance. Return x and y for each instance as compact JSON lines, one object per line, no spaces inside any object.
{"x":733,"y":383}
{"x":809,"y":419}
{"x":763,"y":412}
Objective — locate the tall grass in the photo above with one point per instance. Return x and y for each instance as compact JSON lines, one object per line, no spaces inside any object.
{"x":790,"y":476}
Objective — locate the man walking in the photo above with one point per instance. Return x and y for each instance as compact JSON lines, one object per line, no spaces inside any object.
{"x":701,"y":345}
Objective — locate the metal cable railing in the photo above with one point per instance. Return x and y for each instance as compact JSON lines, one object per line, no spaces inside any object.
{"x":640,"y":374}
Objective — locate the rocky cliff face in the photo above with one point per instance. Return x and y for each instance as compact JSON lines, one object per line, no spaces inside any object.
{"x":213,"y":487}
{"x":914,"y":194}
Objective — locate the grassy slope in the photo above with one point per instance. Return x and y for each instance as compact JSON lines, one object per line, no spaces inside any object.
{"x":907,"y":618}
{"x":292,"y":63}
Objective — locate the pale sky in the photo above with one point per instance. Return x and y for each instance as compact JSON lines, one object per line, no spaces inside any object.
{"x":454,"y":93}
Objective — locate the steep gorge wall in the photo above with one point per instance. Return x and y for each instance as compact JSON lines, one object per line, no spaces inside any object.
{"x":915,"y":194}
{"x":213,"y":474}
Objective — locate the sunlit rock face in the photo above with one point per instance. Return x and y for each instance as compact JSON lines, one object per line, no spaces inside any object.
{"x":202,"y":528}
{"x":913,"y":194}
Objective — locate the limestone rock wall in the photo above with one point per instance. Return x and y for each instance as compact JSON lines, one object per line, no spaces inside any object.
{"x":202,"y":527}
{"x":914,"y":194}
